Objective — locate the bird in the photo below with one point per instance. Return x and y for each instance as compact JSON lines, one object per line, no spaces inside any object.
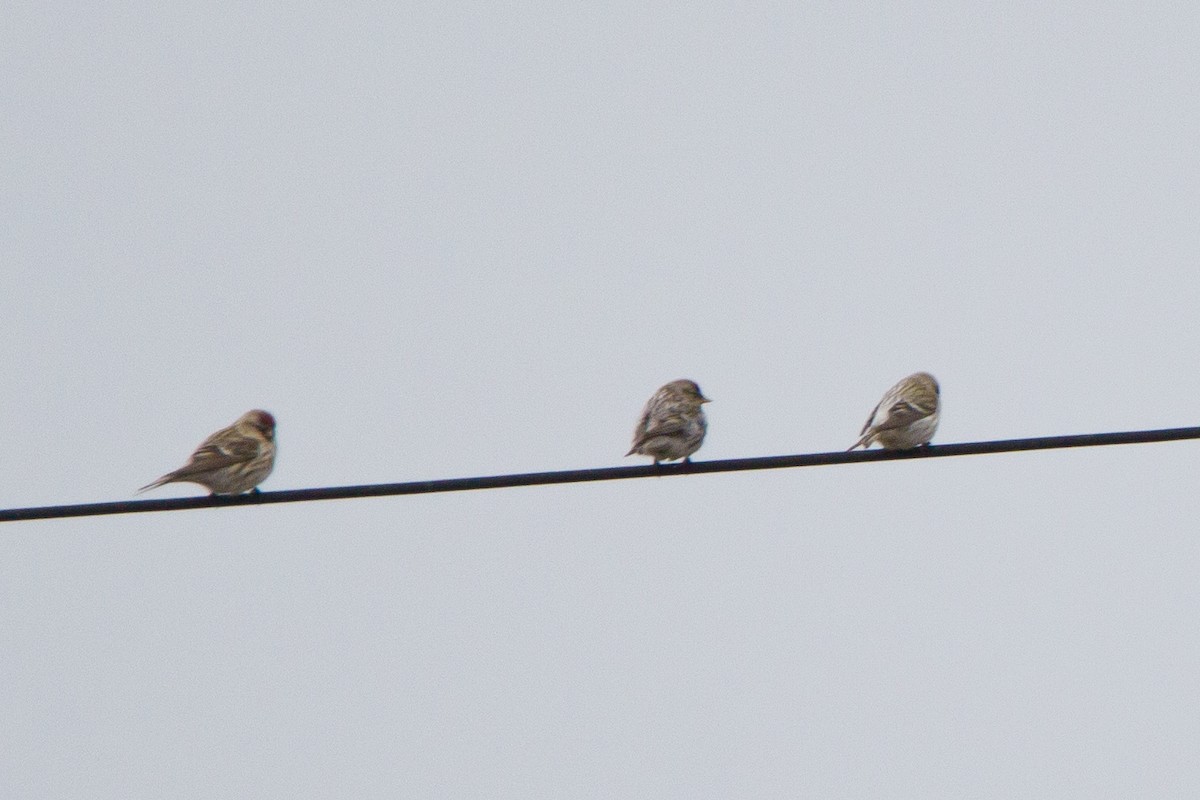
{"x":672,"y":424}
{"x":231,"y":461}
{"x":906,"y":417}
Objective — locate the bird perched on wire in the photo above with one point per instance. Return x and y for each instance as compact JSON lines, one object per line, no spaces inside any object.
{"x":231,"y":461}
{"x":672,"y":424}
{"x":907,"y":416}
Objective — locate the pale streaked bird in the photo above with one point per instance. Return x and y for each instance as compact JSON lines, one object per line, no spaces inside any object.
{"x":906,"y":417}
{"x":231,"y":461}
{"x":672,"y":424}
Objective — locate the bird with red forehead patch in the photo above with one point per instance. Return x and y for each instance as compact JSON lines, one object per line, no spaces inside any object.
{"x":231,"y":461}
{"x":672,"y":424}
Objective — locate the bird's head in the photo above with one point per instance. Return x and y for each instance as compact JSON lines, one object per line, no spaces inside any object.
{"x":261,"y":421}
{"x":688,"y":390}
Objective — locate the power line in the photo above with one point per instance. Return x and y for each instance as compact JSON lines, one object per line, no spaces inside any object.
{"x":602,"y":474}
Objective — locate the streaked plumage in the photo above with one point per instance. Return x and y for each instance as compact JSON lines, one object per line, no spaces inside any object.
{"x":906,"y":417}
{"x":672,"y":424}
{"x":231,"y":461}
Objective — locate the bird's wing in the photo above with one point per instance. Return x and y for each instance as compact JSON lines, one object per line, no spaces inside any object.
{"x":901,"y":414}
{"x":667,"y":427}
{"x":217,"y":453}
{"x":870,"y":420}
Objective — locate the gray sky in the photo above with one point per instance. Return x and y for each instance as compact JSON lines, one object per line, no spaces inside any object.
{"x":447,"y":239}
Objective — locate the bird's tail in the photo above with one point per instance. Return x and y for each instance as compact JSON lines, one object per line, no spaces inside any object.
{"x":163,"y":480}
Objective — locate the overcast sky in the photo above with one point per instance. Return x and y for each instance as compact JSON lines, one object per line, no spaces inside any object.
{"x":450,"y":239}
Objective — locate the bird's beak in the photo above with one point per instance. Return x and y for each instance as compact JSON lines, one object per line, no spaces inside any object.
{"x":704,"y":399}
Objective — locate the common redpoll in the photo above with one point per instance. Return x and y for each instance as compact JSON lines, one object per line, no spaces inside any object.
{"x":231,"y":461}
{"x":907,"y":416}
{"x":672,"y":424}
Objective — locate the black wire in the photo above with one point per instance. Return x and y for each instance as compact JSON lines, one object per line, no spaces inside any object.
{"x":603,"y":474}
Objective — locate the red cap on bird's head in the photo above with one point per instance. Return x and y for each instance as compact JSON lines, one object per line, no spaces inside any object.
{"x":260,"y":419}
